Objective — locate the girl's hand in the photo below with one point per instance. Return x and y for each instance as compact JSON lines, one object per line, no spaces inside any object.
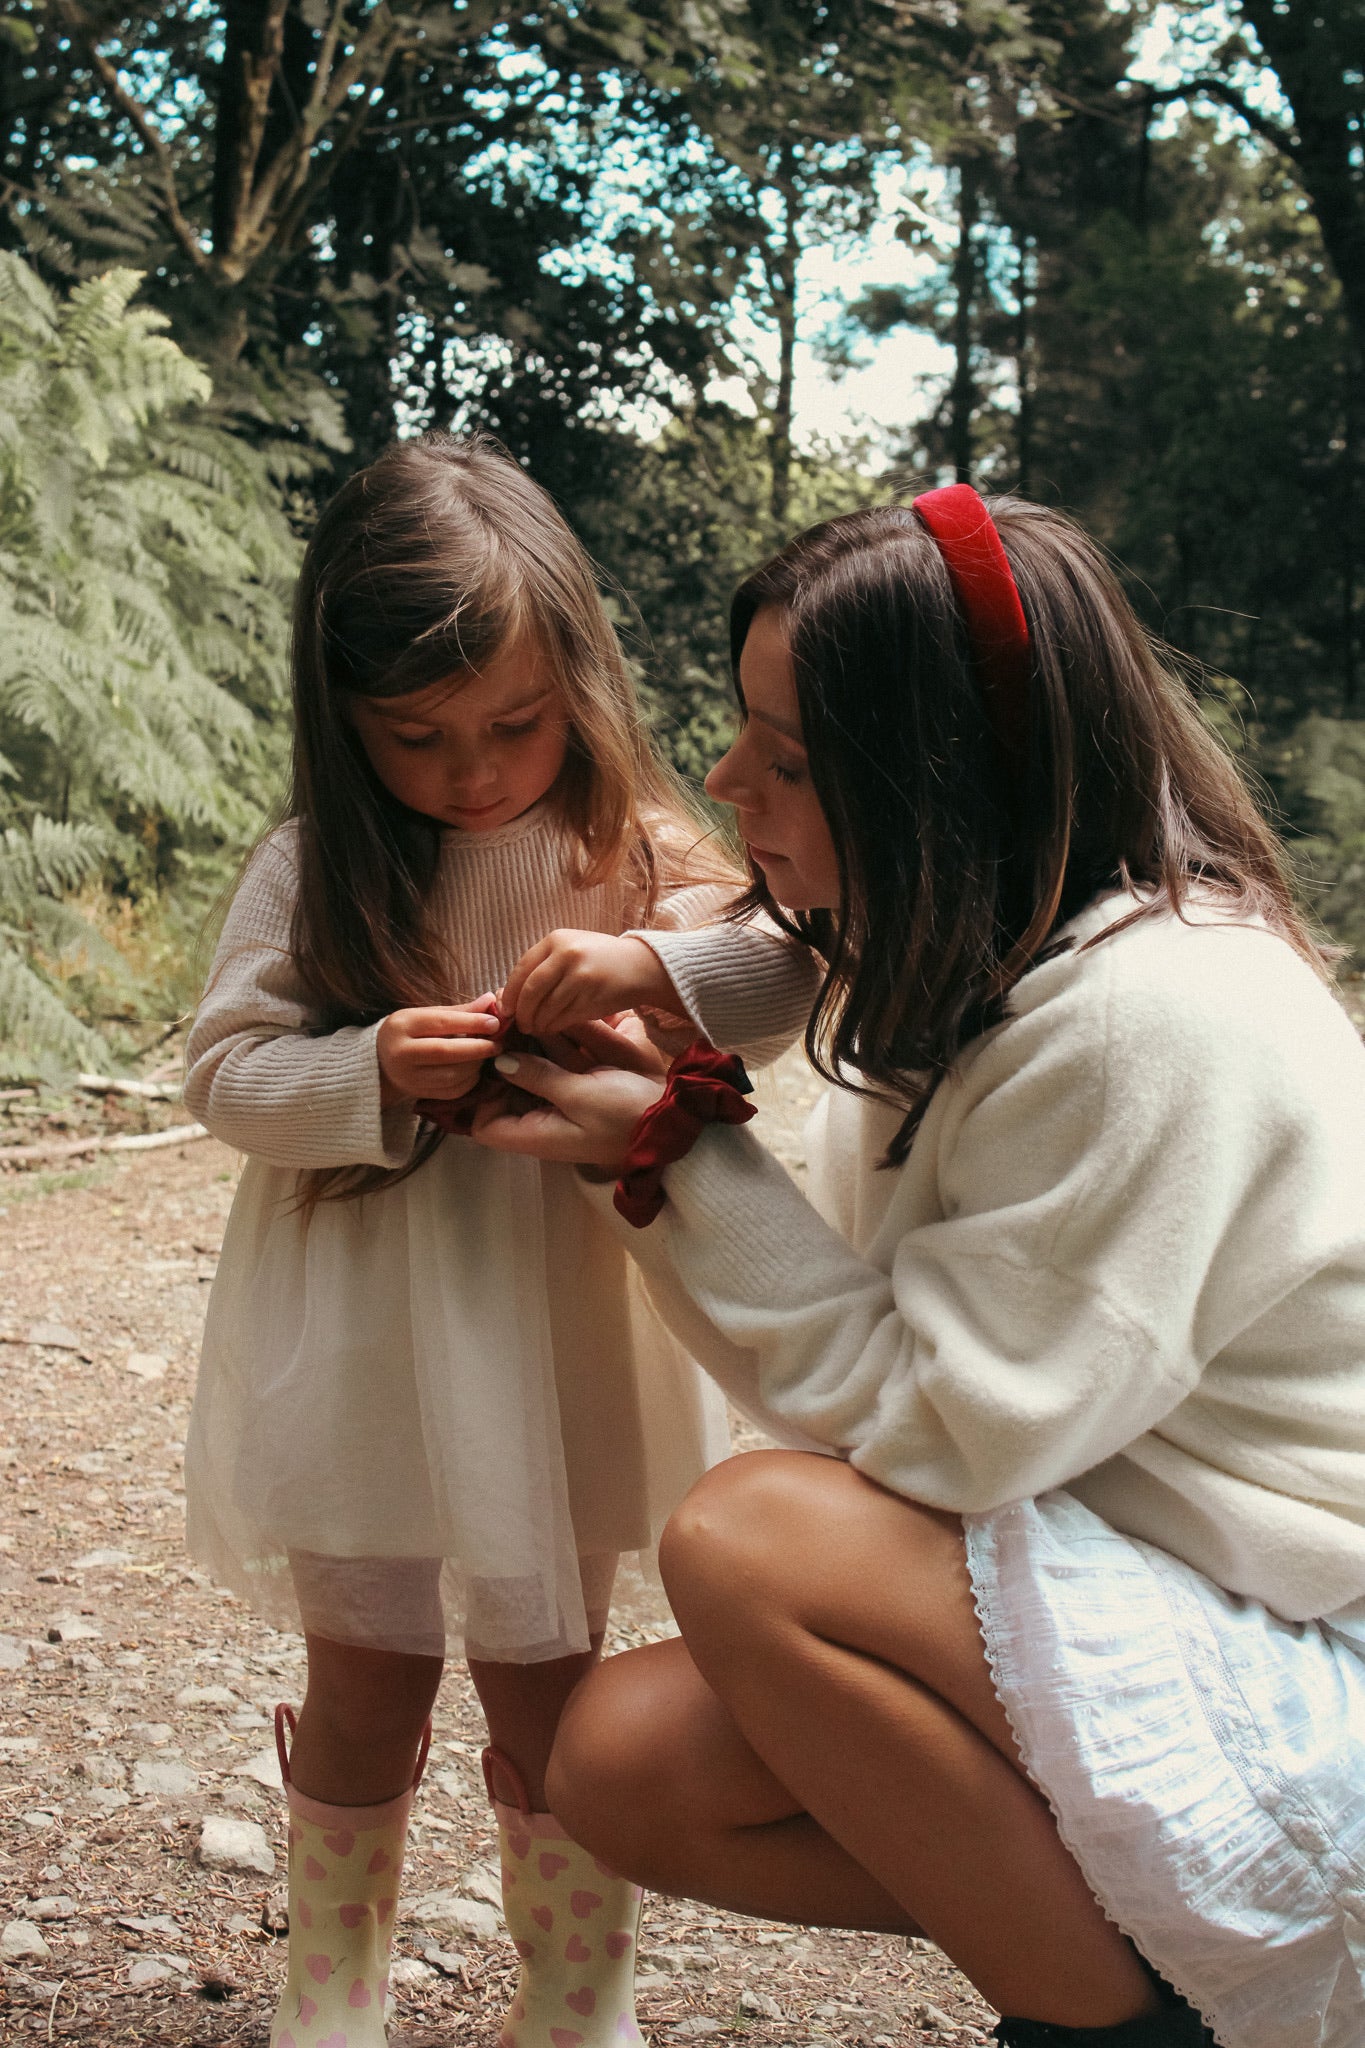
{"x":573,"y":977}
{"x":436,"y":1054}
{"x":584,"y":1118}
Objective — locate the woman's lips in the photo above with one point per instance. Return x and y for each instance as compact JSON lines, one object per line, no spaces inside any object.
{"x":762,"y":853}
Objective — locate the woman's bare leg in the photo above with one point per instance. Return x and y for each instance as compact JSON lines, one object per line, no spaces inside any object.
{"x":361,"y":1722}
{"x":832,"y":1625}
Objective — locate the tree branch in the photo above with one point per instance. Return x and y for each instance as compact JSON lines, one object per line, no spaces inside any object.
{"x":1271,"y":131}
{"x":121,"y":98}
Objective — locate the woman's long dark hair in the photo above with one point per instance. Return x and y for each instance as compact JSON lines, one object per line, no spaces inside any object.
{"x":957,"y":861}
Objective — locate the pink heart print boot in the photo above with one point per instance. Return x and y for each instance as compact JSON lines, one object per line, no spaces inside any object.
{"x":345,"y":1863}
{"x":574,"y":1924}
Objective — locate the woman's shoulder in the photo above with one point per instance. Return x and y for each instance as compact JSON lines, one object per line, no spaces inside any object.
{"x":1204,"y":992}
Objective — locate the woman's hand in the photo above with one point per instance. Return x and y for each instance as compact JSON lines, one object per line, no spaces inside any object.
{"x":436,"y":1054}
{"x":585,"y":1118}
{"x":573,"y":977}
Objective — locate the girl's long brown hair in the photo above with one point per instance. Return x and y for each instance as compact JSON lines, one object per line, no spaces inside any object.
{"x":423,"y":566}
{"x":957,"y":863}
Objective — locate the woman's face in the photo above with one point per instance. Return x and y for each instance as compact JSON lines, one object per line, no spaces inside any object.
{"x":766,"y":776}
{"x":474,"y":752}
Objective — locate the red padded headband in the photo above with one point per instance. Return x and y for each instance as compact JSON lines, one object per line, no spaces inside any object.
{"x":989,"y":599}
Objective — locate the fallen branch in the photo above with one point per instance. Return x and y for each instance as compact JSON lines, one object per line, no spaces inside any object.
{"x":71,"y":1148}
{"x":108,"y":1084}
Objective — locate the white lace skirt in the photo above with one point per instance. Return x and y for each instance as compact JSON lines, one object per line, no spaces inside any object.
{"x":436,"y":1413}
{"x":1205,"y":1761}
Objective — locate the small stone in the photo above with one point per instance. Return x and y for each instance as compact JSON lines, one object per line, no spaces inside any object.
{"x":695,"y":2028}
{"x":156,"y":1733}
{"x":275,"y":1913}
{"x":73,"y":1628}
{"x":102,"y":1769}
{"x":208,"y":1696}
{"x":453,"y":1783}
{"x":108,"y":1798}
{"x":483,"y":1882}
{"x":58,"y":1907}
{"x":102,"y":1560}
{"x":13,"y":1654}
{"x":151,"y":1923}
{"x":226,"y":1843}
{"x":933,"y":2019}
{"x":147,"y":1970}
{"x":448,"y":1961}
{"x":264,"y":1767}
{"x":445,"y":1913}
{"x":159,"y":1778}
{"x":17,"y":1745}
{"x":405,"y":1972}
{"x":22,"y":1942}
{"x":146,"y":1365}
{"x":55,"y":1336}
{"x":760,"y":2004}
{"x":37,"y":1819}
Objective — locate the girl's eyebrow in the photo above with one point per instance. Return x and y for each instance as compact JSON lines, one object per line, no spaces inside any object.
{"x":384,"y":709}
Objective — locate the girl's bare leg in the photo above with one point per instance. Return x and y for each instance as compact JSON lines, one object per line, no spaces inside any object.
{"x":361,"y":1722}
{"x":828,"y":1747}
{"x":522,"y":1704}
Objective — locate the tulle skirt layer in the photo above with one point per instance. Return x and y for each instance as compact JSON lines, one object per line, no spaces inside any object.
{"x":437,"y":1413}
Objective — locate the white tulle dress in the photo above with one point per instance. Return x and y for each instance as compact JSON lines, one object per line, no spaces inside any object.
{"x":443,"y":1410}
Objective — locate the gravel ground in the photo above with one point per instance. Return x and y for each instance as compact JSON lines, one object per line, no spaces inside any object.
{"x":135,"y":1699}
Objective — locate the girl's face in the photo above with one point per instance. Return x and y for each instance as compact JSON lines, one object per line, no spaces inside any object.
{"x":474,"y":752}
{"x":765,"y":775}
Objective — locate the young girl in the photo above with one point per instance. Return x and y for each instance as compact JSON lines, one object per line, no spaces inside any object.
{"x":428,"y":1395}
{"x":1061,"y":1658}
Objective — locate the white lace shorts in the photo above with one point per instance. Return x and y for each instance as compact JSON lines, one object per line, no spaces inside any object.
{"x":1205,"y":1761}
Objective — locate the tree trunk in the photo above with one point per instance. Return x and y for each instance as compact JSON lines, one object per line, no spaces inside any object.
{"x":1308,"y":43}
{"x":781,"y":268}
{"x":1023,"y":370}
{"x":962,"y":399}
{"x":254,"y":38}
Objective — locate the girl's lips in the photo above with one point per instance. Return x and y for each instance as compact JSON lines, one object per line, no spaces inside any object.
{"x":478,"y":810}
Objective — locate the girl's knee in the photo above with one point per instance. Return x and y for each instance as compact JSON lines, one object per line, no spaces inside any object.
{"x":351,"y":1686}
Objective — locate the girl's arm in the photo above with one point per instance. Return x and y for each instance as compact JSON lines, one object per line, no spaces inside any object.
{"x":254,"y":1074}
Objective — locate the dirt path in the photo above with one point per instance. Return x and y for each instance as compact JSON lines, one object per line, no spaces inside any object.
{"x":135,"y":1701}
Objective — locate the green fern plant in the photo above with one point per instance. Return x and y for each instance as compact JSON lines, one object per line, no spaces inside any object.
{"x":145,"y":569}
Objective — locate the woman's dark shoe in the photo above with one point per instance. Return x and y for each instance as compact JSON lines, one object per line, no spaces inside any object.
{"x":1178,"y":2026}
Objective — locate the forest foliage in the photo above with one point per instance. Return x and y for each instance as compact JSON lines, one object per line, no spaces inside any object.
{"x":242,"y":246}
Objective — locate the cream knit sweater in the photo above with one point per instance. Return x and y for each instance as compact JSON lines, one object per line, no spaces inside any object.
{"x":1126,"y":1256}
{"x":261,"y":1082}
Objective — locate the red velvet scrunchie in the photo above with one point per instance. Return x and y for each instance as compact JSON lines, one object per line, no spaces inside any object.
{"x":703,"y":1087}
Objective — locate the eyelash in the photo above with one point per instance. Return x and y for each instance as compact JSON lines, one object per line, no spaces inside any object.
{"x":501,"y":732}
{"x":787,"y":775}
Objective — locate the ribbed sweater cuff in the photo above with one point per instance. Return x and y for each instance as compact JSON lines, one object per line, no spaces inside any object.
{"x":740,"y":988}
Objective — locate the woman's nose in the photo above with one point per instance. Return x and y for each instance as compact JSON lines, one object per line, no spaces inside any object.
{"x":724,"y":781}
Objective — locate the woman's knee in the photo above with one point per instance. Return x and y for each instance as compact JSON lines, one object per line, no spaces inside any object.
{"x":610,"y":1774}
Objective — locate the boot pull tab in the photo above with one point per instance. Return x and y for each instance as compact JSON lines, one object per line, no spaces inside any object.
{"x":499,"y":1761}
{"x":286,"y":1716}
{"x":423,"y":1752}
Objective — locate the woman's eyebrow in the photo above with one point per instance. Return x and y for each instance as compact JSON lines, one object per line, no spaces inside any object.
{"x":782,"y":725}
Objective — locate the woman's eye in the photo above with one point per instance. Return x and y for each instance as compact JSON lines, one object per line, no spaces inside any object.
{"x":517,"y":732}
{"x":787,"y":775}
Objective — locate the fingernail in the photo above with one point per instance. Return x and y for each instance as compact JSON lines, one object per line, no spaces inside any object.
{"x":507,"y":1063}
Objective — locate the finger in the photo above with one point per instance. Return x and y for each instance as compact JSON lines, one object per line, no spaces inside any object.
{"x":539,"y":1077}
{"x":435,"y":1055}
{"x":607,"y":1047}
{"x":535,"y":1001}
{"x":516,"y":980}
{"x":542,"y":1133}
{"x":454,"y":1021}
{"x":563,"y":1051}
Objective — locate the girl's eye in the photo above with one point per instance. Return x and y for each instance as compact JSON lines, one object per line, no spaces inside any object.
{"x":427,"y":739}
{"x":787,"y":775}
{"x":517,"y":732}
